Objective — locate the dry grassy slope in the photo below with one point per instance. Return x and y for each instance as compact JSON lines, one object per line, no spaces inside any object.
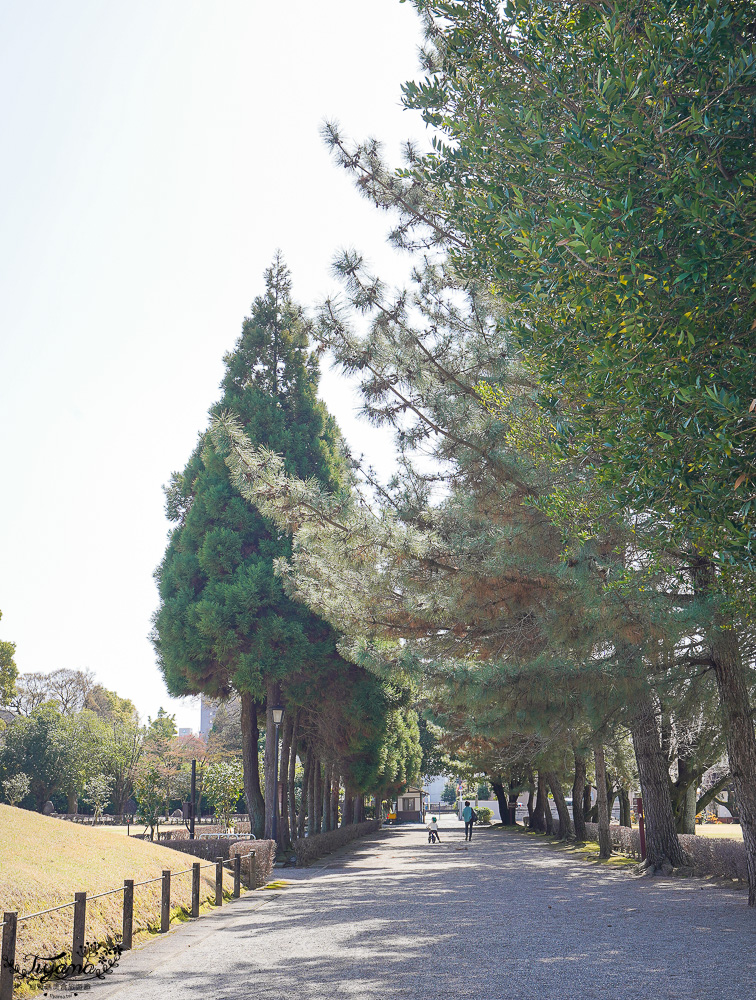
{"x":44,"y":861}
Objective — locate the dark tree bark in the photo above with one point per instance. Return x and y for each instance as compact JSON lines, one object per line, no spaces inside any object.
{"x":72,"y":803}
{"x":737,"y":717}
{"x":251,"y":765}
{"x":564,"y":830}
{"x":284,"y":834}
{"x":662,"y":846}
{"x":291,"y":784}
{"x":611,"y":795}
{"x":314,"y":768}
{"x":512,"y":804}
{"x":327,"y":779}
{"x":578,"y":816}
{"x":347,"y":815}
{"x":548,"y":816}
{"x":305,"y":806}
{"x":602,"y":803}
{"x":317,"y":818}
{"x":587,"y":797}
{"x":272,"y":695}
{"x":501,"y":798}
{"x":531,"y":800}
{"x":335,"y":799}
{"x":683,"y":792}
{"x":624,"y":799}
{"x":537,"y":819}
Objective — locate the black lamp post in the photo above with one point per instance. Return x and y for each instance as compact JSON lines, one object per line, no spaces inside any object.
{"x":193,"y":800}
{"x":278,"y":714}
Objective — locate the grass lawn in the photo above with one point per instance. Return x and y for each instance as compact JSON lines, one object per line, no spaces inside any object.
{"x":731,"y":830}
{"x":44,"y":861}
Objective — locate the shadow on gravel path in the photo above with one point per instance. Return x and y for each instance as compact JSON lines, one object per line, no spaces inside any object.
{"x":502,"y":919}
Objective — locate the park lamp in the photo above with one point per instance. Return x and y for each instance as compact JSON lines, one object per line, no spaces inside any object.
{"x":278,"y":713}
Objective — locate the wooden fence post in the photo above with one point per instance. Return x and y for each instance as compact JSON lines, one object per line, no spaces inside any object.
{"x":165,"y":902}
{"x":128,"y":913}
{"x":79,"y":926}
{"x":195,"y":888}
{"x":237,"y":876}
{"x":219,"y":881}
{"x":8,"y":955}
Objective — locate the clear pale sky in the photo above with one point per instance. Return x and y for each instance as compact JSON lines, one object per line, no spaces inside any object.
{"x":155,"y":154}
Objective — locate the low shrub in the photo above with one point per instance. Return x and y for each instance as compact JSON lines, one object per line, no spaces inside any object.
{"x":265,"y":856}
{"x":307,"y":849}
{"x":720,"y":856}
{"x":208,"y":850}
{"x":484,"y":814}
{"x":227,"y":848}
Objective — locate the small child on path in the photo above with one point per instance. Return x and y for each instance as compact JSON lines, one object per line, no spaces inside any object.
{"x":432,"y":827}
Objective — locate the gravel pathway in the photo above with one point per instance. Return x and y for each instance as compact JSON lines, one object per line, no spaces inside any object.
{"x":508,"y":918}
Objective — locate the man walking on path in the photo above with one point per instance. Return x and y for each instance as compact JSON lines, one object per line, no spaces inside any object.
{"x":468,"y":815}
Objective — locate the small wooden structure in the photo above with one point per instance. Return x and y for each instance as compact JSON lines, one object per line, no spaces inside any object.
{"x":409,"y":806}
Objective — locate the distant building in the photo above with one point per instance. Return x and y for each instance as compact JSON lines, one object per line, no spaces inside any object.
{"x":208,"y":710}
{"x":409,"y":805}
{"x":186,"y":731}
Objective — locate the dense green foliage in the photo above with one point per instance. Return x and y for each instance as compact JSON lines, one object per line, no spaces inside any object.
{"x":8,"y":671}
{"x":598,"y":163}
{"x":224,"y":622}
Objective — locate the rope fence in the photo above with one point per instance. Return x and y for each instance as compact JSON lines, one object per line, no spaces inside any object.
{"x":11,"y":919}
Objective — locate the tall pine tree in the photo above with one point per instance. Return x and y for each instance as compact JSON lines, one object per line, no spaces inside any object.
{"x":224,"y":622}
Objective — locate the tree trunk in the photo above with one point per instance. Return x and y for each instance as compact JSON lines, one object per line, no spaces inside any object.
{"x":318,"y":799}
{"x":512,"y":806}
{"x":359,"y":803}
{"x":548,"y":815}
{"x":291,"y":786}
{"x":683,"y":793}
{"x":587,"y":799}
{"x":537,"y":819}
{"x":304,"y":808}
{"x":565,"y":830}
{"x":578,"y":816}
{"x":311,"y":805}
{"x":624,"y":799}
{"x":531,"y":800}
{"x":347,"y":815}
{"x":501,"y":798}
{"x":251,"y":765}
{"x":737,"y":719}
{"x":335,"y":799}
{"x":284,"y":835}
{"x":72,"y":803}
{"x":327,"y":779}
{"x":662,"y":846}
{"x":602,"y":803}
{"x":688,"y":824}
{"x":610,"y":793}
{"x":272,"y":697}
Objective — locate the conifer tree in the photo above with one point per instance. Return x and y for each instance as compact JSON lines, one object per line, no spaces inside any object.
{"x":224,"y":623}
